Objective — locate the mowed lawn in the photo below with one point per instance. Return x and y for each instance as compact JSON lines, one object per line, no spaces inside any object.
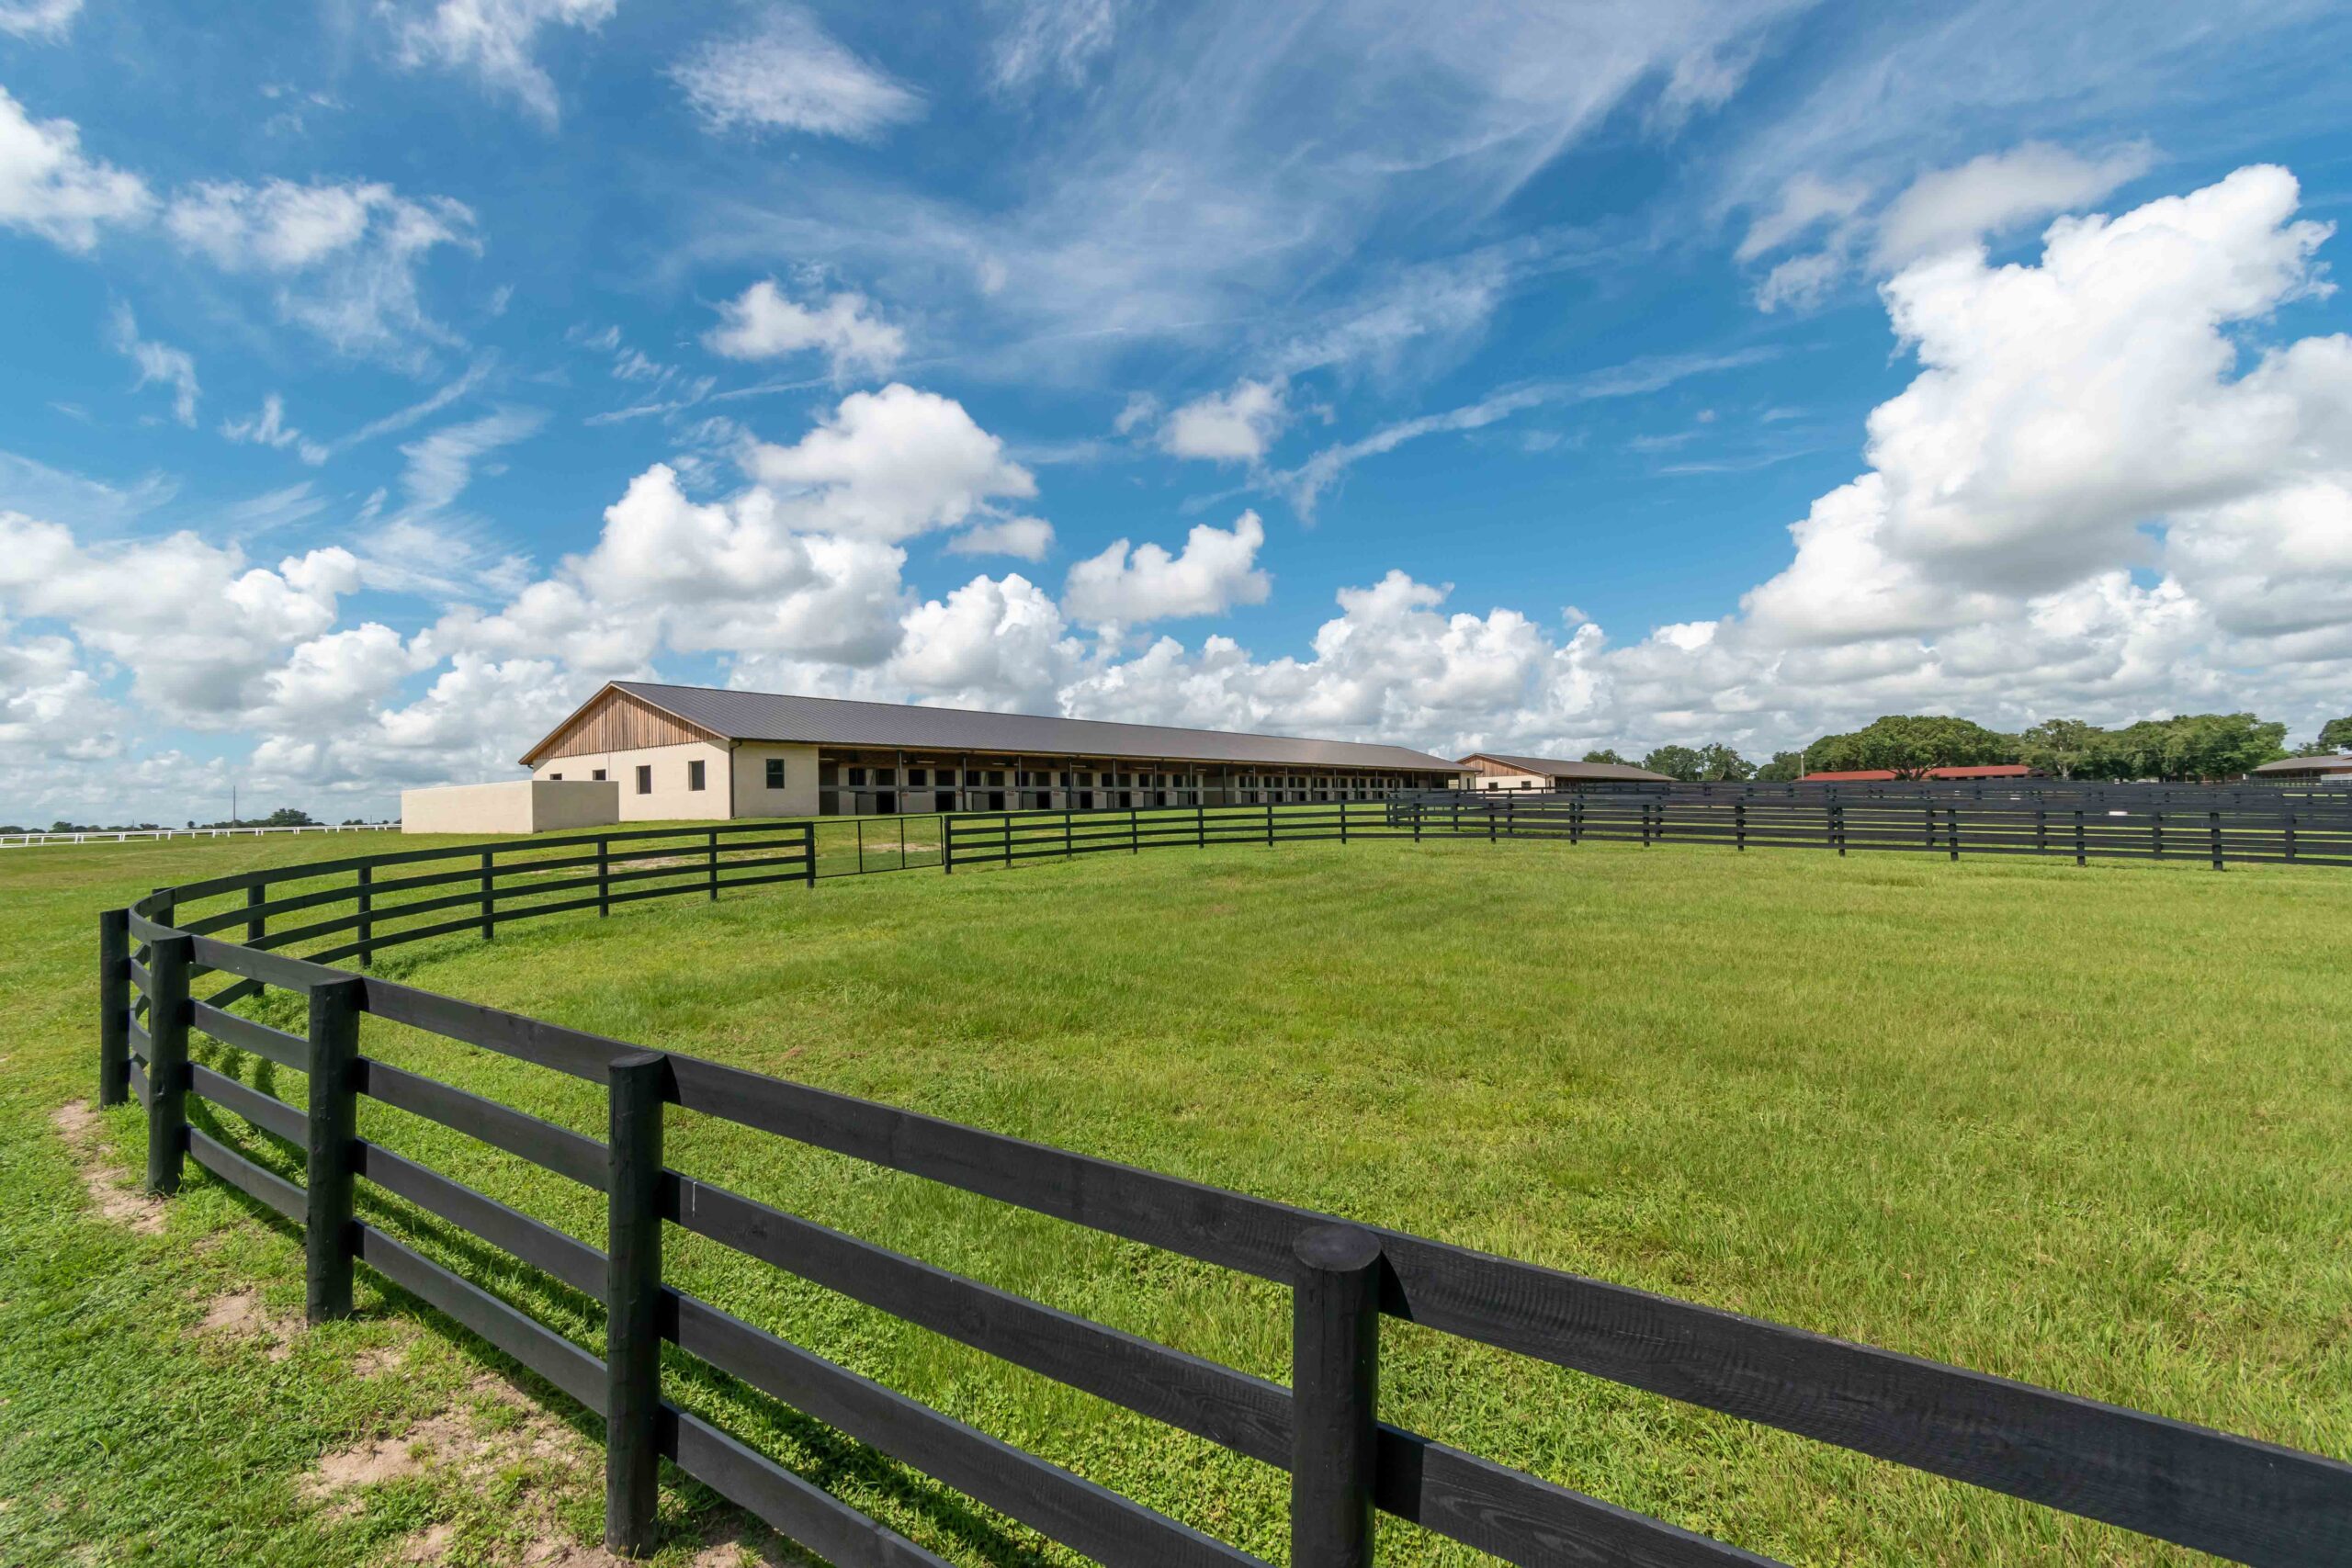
{"x":2080,"y":1126}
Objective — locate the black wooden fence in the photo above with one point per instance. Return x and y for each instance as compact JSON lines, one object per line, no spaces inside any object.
{"x":2231,"y":1496}
{"x":2217,"y":834}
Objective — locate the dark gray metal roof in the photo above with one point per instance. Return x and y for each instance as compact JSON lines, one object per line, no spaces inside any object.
{"x":832,"y":721}
{"x":1561,"y":767}
{"x":2308,"y":766}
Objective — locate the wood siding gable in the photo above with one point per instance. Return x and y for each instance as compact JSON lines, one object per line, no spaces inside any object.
{"x":614,"y":720}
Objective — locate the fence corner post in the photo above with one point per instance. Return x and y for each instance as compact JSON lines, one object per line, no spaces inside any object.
{"x":114,"y":1007}
{"x":169,"y":958}
{"x":1335,"y":1397}
{"x":638,"y":1083}
{"x":334,"y":1119}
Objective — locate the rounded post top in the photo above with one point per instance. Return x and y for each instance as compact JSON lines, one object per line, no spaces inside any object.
{"x":1337,"y":1249}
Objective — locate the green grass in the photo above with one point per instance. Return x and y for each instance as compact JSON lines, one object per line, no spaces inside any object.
{"x":2080,"y":1126}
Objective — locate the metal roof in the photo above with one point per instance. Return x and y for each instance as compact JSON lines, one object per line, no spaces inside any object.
{"x":832,"y":721}
{"x":2337,"y":764}
{"x":1561,"y":767}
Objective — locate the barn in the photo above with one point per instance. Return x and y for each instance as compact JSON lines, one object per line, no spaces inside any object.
{"x":699,"y":752}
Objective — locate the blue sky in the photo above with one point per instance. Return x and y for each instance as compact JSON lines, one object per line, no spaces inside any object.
{"x":384,"y":375}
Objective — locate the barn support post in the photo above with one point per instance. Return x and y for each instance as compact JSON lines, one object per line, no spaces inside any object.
{"x":333,"y":1121}
{"x":637,"y":1084}
{"x":114,"y":1007}
{"x":169,"y":959}
{"x":1335,"y":1397}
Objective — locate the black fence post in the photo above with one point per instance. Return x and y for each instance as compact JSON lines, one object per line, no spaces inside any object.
{"x":946,"y":846}
{"x":711,"y":864}
{"x":114,"y":1007}
{"x":334,"y":1123}
{"x":1068,"y":848}
{"x":2080,"y":857}
{"x":2040,"y":831}
{"x":604,"y":877}
{"x":1837,"y":826}
{"x":1335,"y":1397}
{"x":365,"y":896}
{"x":1201,"y":825}
{"x":2215,"y":819}
{"x":168,"y":960}
{"x":1418,"y":810}
{"x":808,"y":854}
{"x":1952,"y":831}
{"x":1005,"y":824}
{"x":489,"y":895}
{"x":638,"y":1084}
{"x":1739,"y":822}
{"x":1133,"y":847}
{"x":1270,"y":824}
{"x":256,"y":925}
{"x":2156,"y":832}
{"x":2290,"y":834}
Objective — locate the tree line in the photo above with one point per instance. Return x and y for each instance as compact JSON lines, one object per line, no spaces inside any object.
{"x":2184,"y":748}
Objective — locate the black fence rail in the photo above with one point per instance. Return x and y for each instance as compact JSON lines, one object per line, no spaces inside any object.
{"x":2231,"y":1496}
{"x":2032,"y":791}
{"x":2217,"y":835}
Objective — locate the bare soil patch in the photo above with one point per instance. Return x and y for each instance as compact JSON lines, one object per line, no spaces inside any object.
{"x":109,"y":1186}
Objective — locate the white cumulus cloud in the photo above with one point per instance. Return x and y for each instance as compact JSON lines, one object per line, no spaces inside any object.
{"x":48,"y":187}
{"x":1217,"y":569}
{"x":762,"y":323}
{"x":1235,"y":425}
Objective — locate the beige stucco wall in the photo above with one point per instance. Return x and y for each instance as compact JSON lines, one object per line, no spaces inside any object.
{"x":1509,"y":781}
{"x":670,"y":798}
{"x":516,"y":805}
{"x":753,"y":796}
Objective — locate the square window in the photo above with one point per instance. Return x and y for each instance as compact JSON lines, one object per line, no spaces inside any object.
{"x":644,"y":778}
{"x":693,"y":774}
{"x":558,"y":777}
{"x":776,"y":773}
{"x":597,"y":774}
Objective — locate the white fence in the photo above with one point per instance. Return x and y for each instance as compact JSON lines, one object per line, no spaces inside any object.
{"x":125,"y":835}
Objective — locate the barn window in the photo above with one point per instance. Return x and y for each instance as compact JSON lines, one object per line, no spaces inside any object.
{"x":597,"y":774}
{"x":693,"y":774}
{"x":645,"y":778}
{"x":776,"y":773}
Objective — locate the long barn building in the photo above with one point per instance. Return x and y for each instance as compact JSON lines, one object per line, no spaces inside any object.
{"x":699,"y":751}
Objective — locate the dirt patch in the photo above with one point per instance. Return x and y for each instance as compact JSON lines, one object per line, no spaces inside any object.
{"x":470,"y":1445}
{"x":109,"y":1188}
{"x":241,"y":1315}
{"x":376,"y":1363}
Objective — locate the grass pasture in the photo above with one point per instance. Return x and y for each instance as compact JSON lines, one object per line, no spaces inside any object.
{"x":2080,"y":1126}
